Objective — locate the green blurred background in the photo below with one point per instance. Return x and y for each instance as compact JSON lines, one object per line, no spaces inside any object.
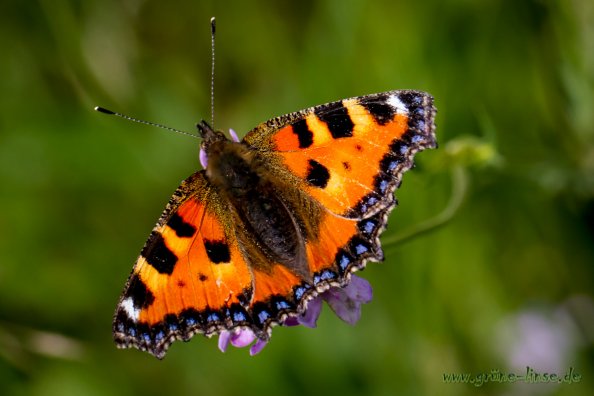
{"x":505,"y":281}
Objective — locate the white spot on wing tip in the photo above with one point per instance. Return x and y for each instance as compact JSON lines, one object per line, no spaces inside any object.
{"x":128,"y":307}
{"x":397,"y":104}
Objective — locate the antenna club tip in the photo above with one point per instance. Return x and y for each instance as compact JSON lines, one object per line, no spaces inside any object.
{"x":212,"y":24}
{"x":102,"y":110}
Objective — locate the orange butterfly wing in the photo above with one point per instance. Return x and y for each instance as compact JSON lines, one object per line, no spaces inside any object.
{"x":344,"y":159}
{"x":349,"y":156}
{"x":190,"y":276}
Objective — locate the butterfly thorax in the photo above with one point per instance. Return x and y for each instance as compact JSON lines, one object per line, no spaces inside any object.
{"x":241,"y":177}
{"x":231,"y":167}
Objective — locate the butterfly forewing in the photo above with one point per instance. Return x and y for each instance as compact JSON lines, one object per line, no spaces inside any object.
{"x":349,"y":155}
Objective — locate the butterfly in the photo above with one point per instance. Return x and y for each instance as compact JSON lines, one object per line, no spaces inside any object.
{"x":273,"y":220}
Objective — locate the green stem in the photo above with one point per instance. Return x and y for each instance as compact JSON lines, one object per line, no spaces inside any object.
{"x":459,"y":189}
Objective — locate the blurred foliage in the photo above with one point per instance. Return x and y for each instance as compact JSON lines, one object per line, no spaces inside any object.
{"x":505,"y":281}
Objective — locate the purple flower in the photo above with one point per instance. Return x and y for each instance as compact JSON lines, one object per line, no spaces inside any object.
{"x":344,"y":301}
{"x":240,"y":338}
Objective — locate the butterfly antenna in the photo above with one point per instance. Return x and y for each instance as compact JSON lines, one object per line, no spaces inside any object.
{"x":212,"y":68}
{"x":106,"y":111}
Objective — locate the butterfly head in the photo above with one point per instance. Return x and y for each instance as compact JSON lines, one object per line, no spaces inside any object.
{"x":212,"y":141}
{"x":228,"y":163}
{"x":209,"y":135}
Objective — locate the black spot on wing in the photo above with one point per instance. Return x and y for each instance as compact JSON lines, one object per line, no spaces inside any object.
{"x":371,"y":201}
{"x":171,"y":323}
{"x":181,"y":228}
{"x":421,"y":114}
{"x":245,"y":296}
{"x":317,"y":174}
{"x":141,"y":296}
{"x":263,"y":312}
{"x":189,"y":319}
{"x":401,"y":147}
{"x":324,"y":276}
{"x":344,"y":261}
{"x":217,"y":251}
{"x":337,"y":118}
{"x":300,"y":291}
{"x":122,"y":321}
{"x":303,"y":133}
{"x":379,"y":109}
{"x":238,"y":315}
{"x":390,"y":163}
{"x":158,"y":255}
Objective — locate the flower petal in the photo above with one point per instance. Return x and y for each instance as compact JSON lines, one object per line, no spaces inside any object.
{"x":224,"y":340}
{"x":309,"y":318}
{"x":234,"y":136}
{"x":257,"y":347}
{"x":345,"y":308}
{"x":346,"y":302}
{"x":203,"y":158}
{"x":242,"y":338}
{"x":359,"y":289}
{"x":291,"y":321}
